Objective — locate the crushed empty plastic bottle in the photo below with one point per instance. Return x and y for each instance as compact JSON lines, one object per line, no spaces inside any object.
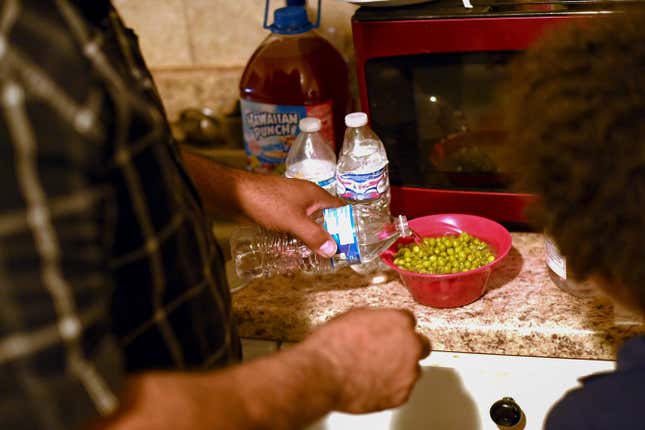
{"x":258,"y":252}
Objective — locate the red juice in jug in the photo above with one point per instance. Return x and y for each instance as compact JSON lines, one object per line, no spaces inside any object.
{"x":293,"y":74}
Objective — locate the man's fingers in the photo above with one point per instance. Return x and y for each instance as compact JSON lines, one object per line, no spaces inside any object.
{"x":426,"y":347}
{"x":314,"y":236}
{"x":410,"y":316}
{"x":322,"y":200}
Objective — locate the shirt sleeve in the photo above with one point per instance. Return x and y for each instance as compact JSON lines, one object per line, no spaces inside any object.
{"x":60,"y":367}
{"x":567,"y":413}
{"x":610,"y":400}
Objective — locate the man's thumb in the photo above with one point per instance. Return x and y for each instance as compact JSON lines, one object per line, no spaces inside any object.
{"x":315,"y":237}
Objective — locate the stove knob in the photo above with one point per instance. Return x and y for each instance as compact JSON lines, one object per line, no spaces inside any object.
{"x":506,"y":413}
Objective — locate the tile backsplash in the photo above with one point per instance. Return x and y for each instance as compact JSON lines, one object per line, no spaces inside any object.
{"x":197,"y":49}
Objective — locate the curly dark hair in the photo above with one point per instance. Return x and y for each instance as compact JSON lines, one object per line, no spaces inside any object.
{"x":575,"y":106}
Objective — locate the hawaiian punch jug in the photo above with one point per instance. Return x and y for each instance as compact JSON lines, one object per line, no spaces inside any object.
{"x":295,"y":73}
{"x":362,"y":175}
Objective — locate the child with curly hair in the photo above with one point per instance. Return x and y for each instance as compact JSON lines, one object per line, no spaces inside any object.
{"x":576,"y":113}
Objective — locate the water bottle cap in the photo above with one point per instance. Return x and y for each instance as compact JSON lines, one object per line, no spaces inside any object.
{"x":290,"y":20}
{"x":356,"y":119}
{"x":310,"y":125}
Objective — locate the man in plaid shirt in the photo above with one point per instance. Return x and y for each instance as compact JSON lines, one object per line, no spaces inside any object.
{"x":114,"y":308}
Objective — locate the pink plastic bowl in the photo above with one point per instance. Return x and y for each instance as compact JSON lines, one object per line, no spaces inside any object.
{"x":455,"y":289}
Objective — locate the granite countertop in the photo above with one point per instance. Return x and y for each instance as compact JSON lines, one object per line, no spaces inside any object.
{"x":522,"y":312}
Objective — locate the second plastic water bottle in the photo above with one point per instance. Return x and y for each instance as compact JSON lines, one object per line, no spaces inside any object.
{"x":259,"y":252}
{"x":362,"y":174}
{"x":311,"y":157}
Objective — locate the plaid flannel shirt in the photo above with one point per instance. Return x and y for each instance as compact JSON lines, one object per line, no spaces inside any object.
{"x":107,"y":265}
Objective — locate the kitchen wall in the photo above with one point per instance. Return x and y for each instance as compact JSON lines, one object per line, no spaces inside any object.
{"x":197,"y":49}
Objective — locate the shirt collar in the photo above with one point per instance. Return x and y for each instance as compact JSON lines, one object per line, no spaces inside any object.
{"x":94,"y":10}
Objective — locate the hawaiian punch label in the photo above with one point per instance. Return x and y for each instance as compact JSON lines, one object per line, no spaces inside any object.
{"x":269,"y":130}
{"x":362,"y":186}
{"x":339,"y":222}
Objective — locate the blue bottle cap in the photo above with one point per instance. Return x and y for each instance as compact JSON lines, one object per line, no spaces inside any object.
{"x":290,"y":20}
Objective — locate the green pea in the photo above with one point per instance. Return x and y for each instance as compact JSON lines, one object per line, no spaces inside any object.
{"x":445,"y":254}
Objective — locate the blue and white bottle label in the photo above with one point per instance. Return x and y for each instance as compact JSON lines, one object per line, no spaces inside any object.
{"x":327,"y":183}
{"x":339,"y":222}
{"x":323,"y":183}
{"x":362,"y":186}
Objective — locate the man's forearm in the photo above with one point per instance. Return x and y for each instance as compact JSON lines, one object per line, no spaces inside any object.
{"x":273,"y":201}
{"x":283,"y":391}
{"x":219,"y":187}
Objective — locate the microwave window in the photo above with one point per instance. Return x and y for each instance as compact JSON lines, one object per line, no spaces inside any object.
{"x":439,"y":117}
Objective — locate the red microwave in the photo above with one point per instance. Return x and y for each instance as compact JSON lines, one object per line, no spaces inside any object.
{"x":429,"y":78}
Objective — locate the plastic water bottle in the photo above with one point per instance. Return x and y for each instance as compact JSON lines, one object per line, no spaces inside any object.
{"x":362,"y":174}
{"x":556,"y":265}
{"x":311,"y":157}
{"x":258,"y":252}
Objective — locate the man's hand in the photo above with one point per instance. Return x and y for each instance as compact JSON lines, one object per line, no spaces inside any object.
{"x":286,"y":205}
{"x":363,"y":361}
{"x":374,"y":355}
{"x":272,"y":201}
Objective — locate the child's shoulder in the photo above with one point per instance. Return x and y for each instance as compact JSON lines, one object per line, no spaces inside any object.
{"x":608,"y":400}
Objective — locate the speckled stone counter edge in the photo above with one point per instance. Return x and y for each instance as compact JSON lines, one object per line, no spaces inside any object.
{"x":521,"y":313}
